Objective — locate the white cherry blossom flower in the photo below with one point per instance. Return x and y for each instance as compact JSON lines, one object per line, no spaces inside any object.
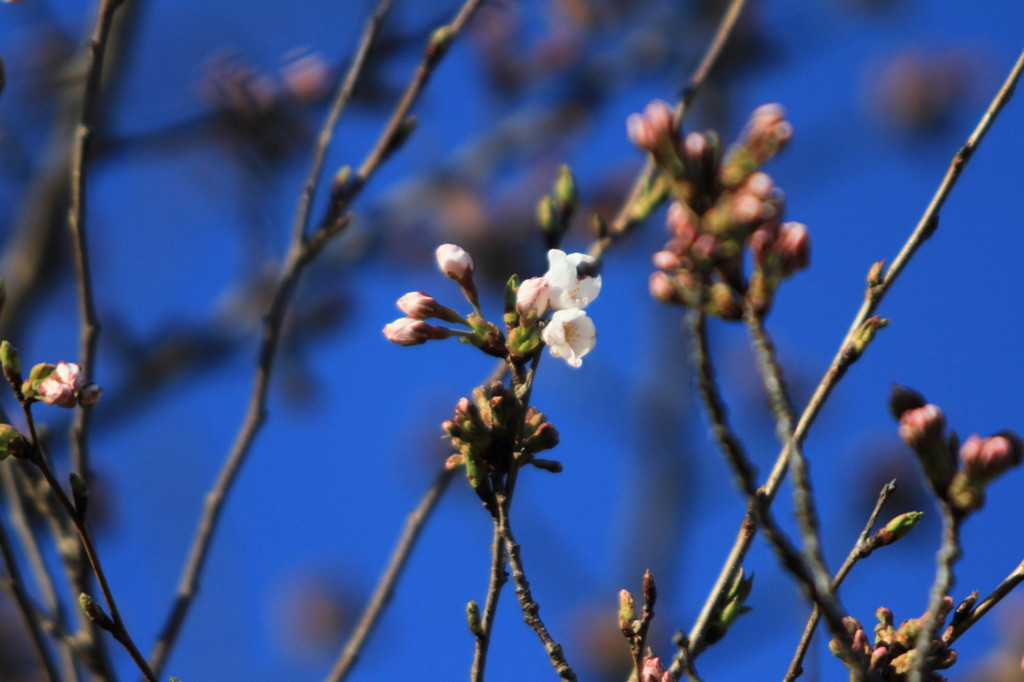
{"x":570,"y":335}
{"x":567,"y":288}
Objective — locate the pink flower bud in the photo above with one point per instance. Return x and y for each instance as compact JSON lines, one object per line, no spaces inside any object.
{"x":406,"y":331}
{"x":665,"y":260}
{"x":417,"y":305}
{"x":52,"y":391}
{"x":922,"y":427}
{"x":680,"y":222}
{"x":454,"y":262}
{"x":695,"y":145}
{"x":661,"y":288}
{"x":986,"y":458}
{"x":759,"y":184}
{"x":653,"y":670}
{"x":89,"y":395}
{"x":69,"y":373}
{"x":533,"y":297}
{"x":794,"y":247}
{"x":649,"y":129}
{"x":746,"y":208}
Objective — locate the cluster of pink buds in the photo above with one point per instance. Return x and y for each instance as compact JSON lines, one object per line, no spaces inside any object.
{"x":724,"y":206}
{"x":892,"y":654}
{"x":413,"y":329}
{"x":62,"y":384}
{"x":957,"y":473}
{"x":568,"y":333}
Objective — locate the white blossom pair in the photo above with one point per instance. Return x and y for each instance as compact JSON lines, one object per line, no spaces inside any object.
{"x":569,"y":334}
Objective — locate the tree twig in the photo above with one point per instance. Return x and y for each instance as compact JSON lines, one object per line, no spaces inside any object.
{"x":531,"y":610}
{"x":757,"y":506}
{"x":341,"y":99}
{"x":499,"y":576}
{"x":861,"y":550}
{"x":118,"y":628}
{"x":385,"y":588}
{"x":949,"y":552}
{"x":953,"y":632}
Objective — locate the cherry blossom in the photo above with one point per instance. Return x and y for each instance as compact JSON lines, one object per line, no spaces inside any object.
{"x":570,"y":335}
{"x":567,"y":288}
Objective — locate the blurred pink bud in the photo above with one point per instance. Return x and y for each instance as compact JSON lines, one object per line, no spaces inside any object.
{"x":794,"y":247}
{"x":746,"y":208}
{"x":680,"y":222}
{"x":69,"y":373}
{"x":89,"y":395}
{"x":406,"y":331}
{"x":695,"y":145}
{"x":52,"y":391}
{"x":759,"y":184}
{"x":661,"y":288}
{"x":665,"y":260}
{"x":653,"y":670}
{"x":986,"y":458}
{"x":454,"y":262}
{"x":655,"y":124}
{"x":705,"y":247}
{"x":768,"y":125}
{"x":922,"y":427}
{"x":307,"y":78}
{"x":533,"y":296}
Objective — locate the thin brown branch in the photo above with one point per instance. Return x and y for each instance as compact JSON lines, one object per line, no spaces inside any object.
{"x":499,"y":576}
{"x":385,"y":588}
{"x":393,"y":134}
{"x":844,"y":356}
{"x":341,"y":99}
{"x":782,"y":409}
{"x":953,"y":632}
{"x":861,"y":550}
{"x":76,"y":219}
{"x":757,"y":508}
{"x":531,"y":610}
{"x":949,"y":552}
{"x":90,"y":327}
{"x":119,"y":631}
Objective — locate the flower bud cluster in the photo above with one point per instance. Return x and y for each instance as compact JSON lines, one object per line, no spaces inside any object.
{"x":892,"y":654}
{"x":724,"y":206}
{"x":485,"y":433}
{"x":62,"y":384}
{"x":957,"y":473}
{"x":562,"y":290}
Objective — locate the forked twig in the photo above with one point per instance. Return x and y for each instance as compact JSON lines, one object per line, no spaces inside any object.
{"x":861,"y":550}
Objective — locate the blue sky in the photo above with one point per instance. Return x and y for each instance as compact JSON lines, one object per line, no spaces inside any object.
{"x":353,"y":436}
